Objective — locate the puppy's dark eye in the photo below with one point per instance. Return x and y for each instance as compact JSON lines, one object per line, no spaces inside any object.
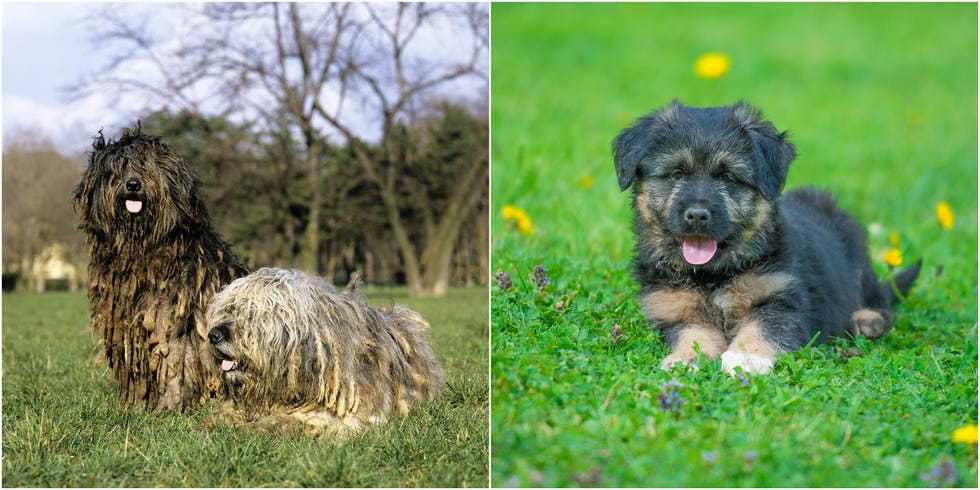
{"x":676,"y":175}
{"x":728,"y":176}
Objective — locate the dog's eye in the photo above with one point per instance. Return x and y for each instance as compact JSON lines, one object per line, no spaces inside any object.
{"x":676,"y":175}
{"x":729,"y":176}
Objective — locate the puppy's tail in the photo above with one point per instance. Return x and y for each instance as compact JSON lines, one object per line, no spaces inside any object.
{"x":898,"y":287}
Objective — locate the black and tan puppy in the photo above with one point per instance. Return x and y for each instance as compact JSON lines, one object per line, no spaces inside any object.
{"x":727,"y":264}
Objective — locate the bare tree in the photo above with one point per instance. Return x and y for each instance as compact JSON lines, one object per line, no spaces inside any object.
{"x":427,"y":272}
{"x":318,"y":62}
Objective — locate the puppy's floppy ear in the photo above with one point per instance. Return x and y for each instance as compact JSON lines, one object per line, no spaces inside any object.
{"x":773,"y":153}
{"x":629,"y":148}
{"x":634,"y":143}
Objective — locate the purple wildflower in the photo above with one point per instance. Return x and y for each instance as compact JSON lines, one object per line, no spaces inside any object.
{"x":710,"y":457}
{"x":540,"y":277}
{"x":670,"y":399}
{"x":503,"y":280}
{"x":941,"y":475}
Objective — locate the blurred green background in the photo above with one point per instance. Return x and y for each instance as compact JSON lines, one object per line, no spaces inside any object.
{"x":879,"y":99}
{"x":881,"y":103}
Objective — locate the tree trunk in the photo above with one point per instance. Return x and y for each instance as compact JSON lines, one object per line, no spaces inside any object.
{"x":438,"y":253}
{"x":310,"y":252}
{"x":413,"y":274}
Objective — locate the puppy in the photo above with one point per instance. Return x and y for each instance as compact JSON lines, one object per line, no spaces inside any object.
{"x":726,"y":265}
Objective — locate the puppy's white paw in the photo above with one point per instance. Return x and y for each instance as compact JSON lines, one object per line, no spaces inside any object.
{"x":749,"y":363}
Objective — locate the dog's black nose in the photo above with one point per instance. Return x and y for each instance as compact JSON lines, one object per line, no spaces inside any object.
{"x":697,"y":216}
{"x":134,"y":185}
{"x":216,"y":335}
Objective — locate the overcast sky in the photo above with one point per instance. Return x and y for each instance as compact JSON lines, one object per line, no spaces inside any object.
{"x":46,"y":48}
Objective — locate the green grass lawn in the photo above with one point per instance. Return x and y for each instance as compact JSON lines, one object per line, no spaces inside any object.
{"x":62,"y":427}
{"x":881,"y":103}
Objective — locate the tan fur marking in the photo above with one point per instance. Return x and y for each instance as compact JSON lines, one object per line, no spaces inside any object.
{"x":749,"y":340}
{"x":869,"y":323}
{"x":642,"y":206}
{"x":763,"y":215}
{"x":866,"y":315}
{"x":672,"y":305}
{"x":711,"y":342}
{"x":748,"y":290}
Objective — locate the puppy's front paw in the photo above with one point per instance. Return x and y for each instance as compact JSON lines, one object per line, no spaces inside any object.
{"x":869,"y":323}
{"x":679,"y":359}
{"x":749,"y":363}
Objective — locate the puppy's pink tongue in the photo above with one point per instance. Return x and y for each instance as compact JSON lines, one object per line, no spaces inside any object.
{"x":698,"y":251}
{"x":134,"y":206}
{"x":228,"y":364}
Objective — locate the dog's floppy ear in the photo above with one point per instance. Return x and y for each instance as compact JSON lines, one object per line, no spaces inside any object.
{"x":634,"y":143}
{"x":773,"y":152}
{"x":629,"y":148}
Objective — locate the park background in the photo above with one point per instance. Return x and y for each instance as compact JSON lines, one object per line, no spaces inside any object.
{"x":881,"y":103}
{"x":331,"y":137}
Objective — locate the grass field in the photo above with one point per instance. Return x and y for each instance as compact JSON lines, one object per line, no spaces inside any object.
{"x":62,"y":427}
{"x":881,"y":102}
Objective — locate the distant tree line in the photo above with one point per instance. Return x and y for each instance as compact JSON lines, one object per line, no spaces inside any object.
{"x":257,"y":193}
{"x":37,"y":211}
{"x":255,"y":187}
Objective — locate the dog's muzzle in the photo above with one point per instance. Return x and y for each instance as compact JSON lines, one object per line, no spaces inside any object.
{"x":217,"y":336}
{"x":699,"y":224}
{"x":133,"y":189}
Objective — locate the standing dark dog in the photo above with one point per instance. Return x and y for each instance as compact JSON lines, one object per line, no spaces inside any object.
{"x":155,"y":262}
{"x":727,"y":264}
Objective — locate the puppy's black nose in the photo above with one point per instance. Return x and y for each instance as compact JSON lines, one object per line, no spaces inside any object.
{"x":697,"y":216}
{"x":134,"y":185}
{"x":216,"y":335}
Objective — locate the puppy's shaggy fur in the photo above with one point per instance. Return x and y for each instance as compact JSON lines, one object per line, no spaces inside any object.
{"x":298,"y":356}
{"x":724,"y":262}
{"x":155,"y":262}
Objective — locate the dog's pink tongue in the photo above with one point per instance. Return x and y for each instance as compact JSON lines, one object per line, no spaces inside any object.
{"x":698,"y":251}
{"x":134,"y":206}
{"x":227,"y":364}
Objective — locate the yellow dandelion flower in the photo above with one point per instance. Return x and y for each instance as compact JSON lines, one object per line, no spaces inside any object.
{"x":524,"y":225}
{"x":511,"y":212}
{"x":519,"y":217}
{"x":894,"y":257}
{"x":945,"y":215}
{"x":967,"y":434}
{"x":894,"y":238}
{"x":587,"y":182}
{"x":712,"y":65}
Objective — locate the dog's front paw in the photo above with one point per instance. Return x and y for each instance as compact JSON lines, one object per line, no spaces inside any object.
{"x":749,"y":363}
{"x":869,"y":323}
{"x":679,"y":359}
